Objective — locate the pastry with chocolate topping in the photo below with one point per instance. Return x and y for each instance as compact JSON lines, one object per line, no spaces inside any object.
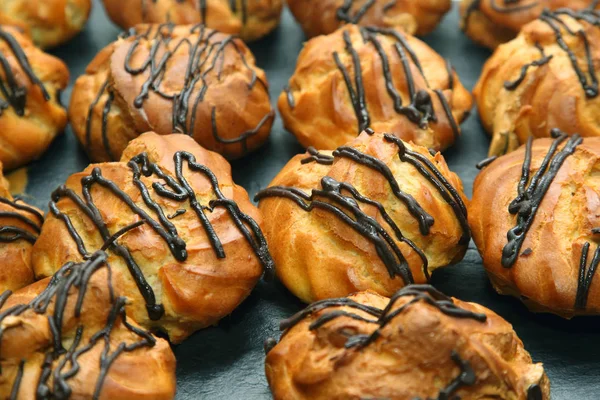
{"x":198,"y":250}
{"x":31,"y":115}
{"x":365,"y":77}
{"x":494,"y":22}
{"x":535,"y":219}
{"x":322,"y":17}
{"x":377,"y":214}
{"x":166,"y":78}
{"x":545,"y":78}
{"x":418,"y":344}
{"x":48,"y":22}
{"x":248,"y":19}
{"x":20,"y":225}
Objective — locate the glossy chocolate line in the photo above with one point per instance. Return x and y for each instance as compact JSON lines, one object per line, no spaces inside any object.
{"x":290,"y":96}
{"x":14,"y":393}
{"x":343,"y":12}
{"x":485,"y":162}
{"x":585,"y":279}
{"x":89,"y":119}
{"x":529,"y":198}
{"x":512,"y":85}
{"x":16,"y":95}
{"x":315,"y":156}
{"x":202,"y":7}
{"x":23,"y":207}
{"x":534,"y":392}
{"x":466,"y":377}
{"x":243,"y":137}
{"x":11,"y":233}
{"x":448,"y":112}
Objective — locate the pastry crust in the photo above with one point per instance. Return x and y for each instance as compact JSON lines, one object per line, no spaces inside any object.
{"x":248,"y":19}
{"x":544,"y":265}
{"x":322,"y":17}
{"x":20,"y":226}
{"x":418,"y":345}
{"x":48,"y":22}
{"x":69,"y":337}
{"x":361,"y":77}
{"x":208,"y":87}
{"x":199,"y":251}
{"x":531,"y":84}
{"x":494,"y":22}
{"x":367,"y":218}
{"x":31,"y":115}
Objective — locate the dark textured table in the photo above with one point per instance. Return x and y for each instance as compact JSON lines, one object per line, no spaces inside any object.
{"x":227,"y":362}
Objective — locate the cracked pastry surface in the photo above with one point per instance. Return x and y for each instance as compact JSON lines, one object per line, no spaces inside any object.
{"x":322,"y":17}
{"x":20,"y":226}
{"x":198,"y":251}
{"x":31,"y":115}
{"x":418,"y":344}
{"x":375,"y":214}
{"x":167,"y":78}
{"x":494,"y":22}
{"x":546,"y":78}
{"x":358,"y":77}
{"x":248,"y":19}
{"x":534,"y":217}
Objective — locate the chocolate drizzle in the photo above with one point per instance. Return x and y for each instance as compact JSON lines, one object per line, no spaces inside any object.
{"x":485,"y":162}
{"x":508,"y":7}
{"x":202,"y":7}
{"x":343,"y":13}
{"x":13,"y":94}
{"x":586,"y":277}
{"x":60,"y":363}
{"x":176,"y":189}
{"x":27,"y":215}
{"x":206,"y":56}
{"x":317,"y":157}
{"x":531,"y":192}
{"x":512,"y":85}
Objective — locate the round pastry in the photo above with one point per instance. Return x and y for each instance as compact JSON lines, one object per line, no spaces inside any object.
{"x":48,"y":22}
{"x":322,"y":17}
{"x":535,"y":218}
{"x":545,"y":78}
{"x":356,"y":78}
{"x":493,"y":22}
{"x":68,"y":337}
{"x":420,"y":344}
{"x":167,"y":79}
{"x":20,"y":225}
{"x":30,"y":111}
{"x":199,"y":251}
{"x":375,"y":214}
{"x":248,"y":19}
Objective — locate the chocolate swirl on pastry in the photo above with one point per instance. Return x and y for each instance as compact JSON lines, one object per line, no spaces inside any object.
{"x":200,"y":246}
{"x":547,"y":76}
{"x":334,"y":222}
{"x":30,"y":111}
{"x":167,"y":78}
{"x":418,"y":344}
{"x":378,"y":75}
{"x":322,"y":17}
{"x":538,"y":242}
{"x":248,"y":19}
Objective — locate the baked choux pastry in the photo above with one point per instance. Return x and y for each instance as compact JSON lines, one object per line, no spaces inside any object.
{"x":20,"y":225}
{"x":48,"y":22}
{"x":493,"y":22}
{"x":546,"y":78}
{"x":167,"y":78}
{"x":199,"y":250}
{"x":322,"y":17}
{"x":358,"y":78}
{"x":418,"y":344}
{"x":68,"y":337}
{"x":248,"y":19}
{"x":31,"y":115}
{"x":535,"y":218}
{"x":377,"y":214}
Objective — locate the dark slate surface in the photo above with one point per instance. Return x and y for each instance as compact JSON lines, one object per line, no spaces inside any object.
{"x":226,"y":362}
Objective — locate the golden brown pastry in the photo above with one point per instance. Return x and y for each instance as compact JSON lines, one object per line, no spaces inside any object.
{"x":68,"y":337}
{"x":20,"y":225}
{"x":322,"y":17}
{"x":30,"y":111}
{"x":199,"y":251}
{"x":420,"y":344}
{"x":376,"y":214}
{"x":357,"y":77}
{"x":48,"y":22}
{"x":248,"y":19}
{"x":535,"y":216}
{"x":546,"y":78}
{"x":493,"y":22}
{"x":182,"y":79}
